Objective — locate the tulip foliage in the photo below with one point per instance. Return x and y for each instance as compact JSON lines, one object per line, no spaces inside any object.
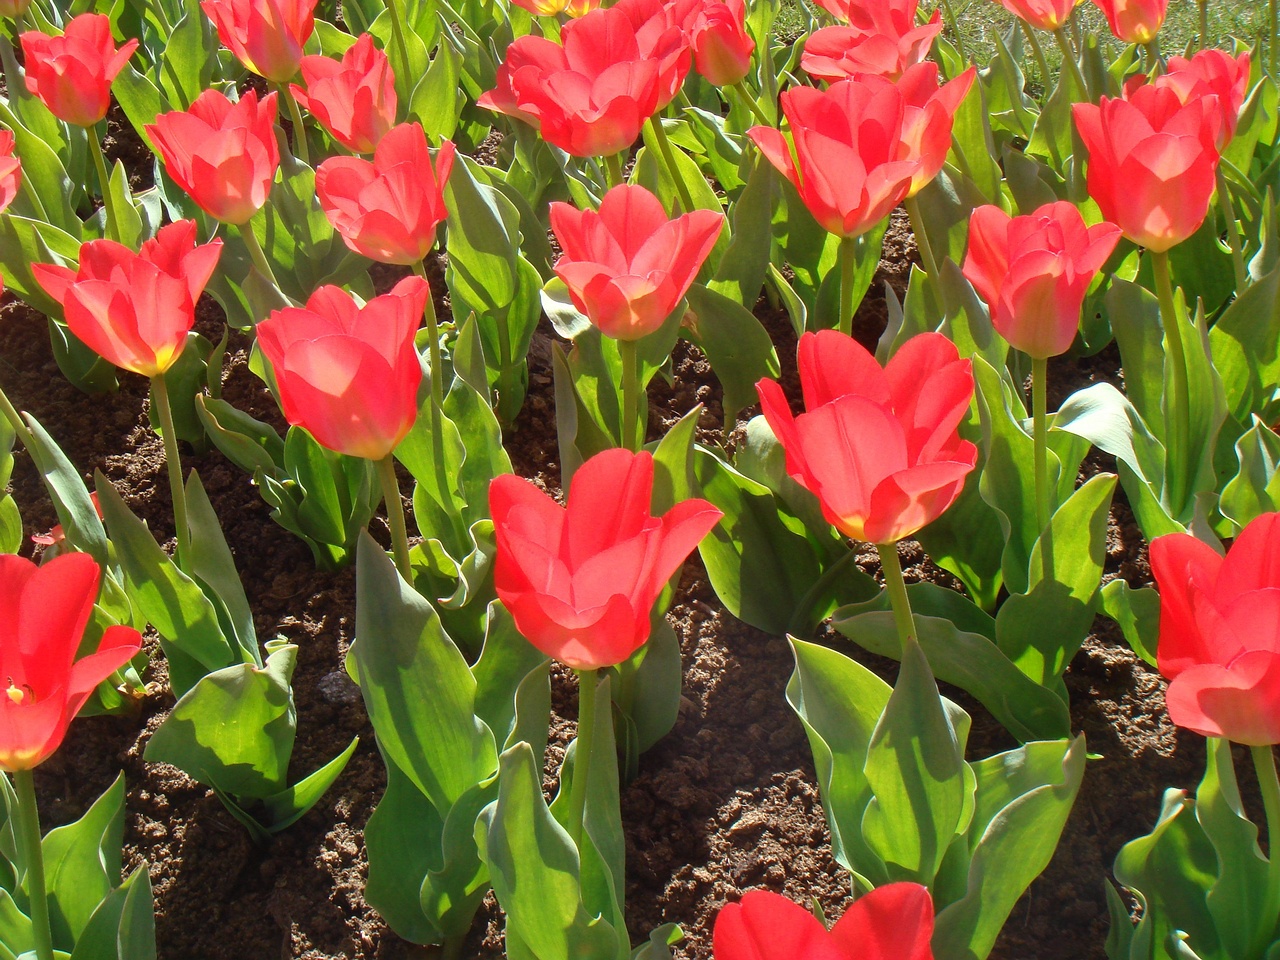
{"x":384,"y":207}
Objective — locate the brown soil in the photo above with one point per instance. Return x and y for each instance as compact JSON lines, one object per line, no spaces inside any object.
{"x":726,"y":803}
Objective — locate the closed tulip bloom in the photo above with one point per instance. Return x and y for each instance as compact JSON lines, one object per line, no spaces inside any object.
{"x":135,"y":309}
{"x":581,"y":580}
{"x":72,"y":74}
{"x":892,"y":922}
{"x":1152,"y":161}
{"x":882,"y":39}
{"x":628,"y":266}
{"x":223,"y":154}
{"x":722,"y":47}
{"x":1220,"y":632}
{"x":1212,"y":72}
{"x":929,"y":116}
{"x":1033,"y":272}
{"x":1043,"y":14}
{"x":10,"y":171}
{"x":349,"y":374}
{"x":878,"y":447}
{"x":664,"y":32}
{"x":267,"y":36}
{"x":43,"y":614}
{"x":354,"y":98}
{"x":388,"y":209}
{"x":1134,"y":21}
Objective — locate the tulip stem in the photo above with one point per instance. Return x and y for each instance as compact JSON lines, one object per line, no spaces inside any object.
{"x":395,"y":515}
{"x":1069,"y":59}
{"x":15,"y":420}
{"x":669,"y":158}
{"x":1233,"y":232}
{"x":299,"y":128}
{"x":160,"y":399}
{"x":954,"y":22}
{"x":1177,"y":434}
{"x":922,"y":238}
{"x":587,"y":681}
{"x":897,"y":589}
{"x":256,"y":255}
{"x":848,"y":268}
{"x":751,"y":103}
{"x":104,"y":178}
{"x":1204,"y":22}
{"x":1264,"y":763}
{"x":433,"y":347}
{"x":1040,"y":436}
{"x":631,"y":391}
{"x":33,"y":853}
{"x":1042,"y":62}
{"x":613,"y":170}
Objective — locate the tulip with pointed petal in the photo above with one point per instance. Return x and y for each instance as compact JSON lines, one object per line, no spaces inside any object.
{"x":355,"y":98}
{"x":1048,"y":15}
{"x":72,"y":74}
{"x":1134,"y":21}
{"x":267,"y":36}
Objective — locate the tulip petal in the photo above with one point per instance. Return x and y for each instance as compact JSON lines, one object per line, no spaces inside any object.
{"x":608,"y":502}
{"x":766,"y":926}
{"x":833,"y":365}
{"x":1238,"y":702}
{"x":892,"y":922}
{"x":1185,"y":570}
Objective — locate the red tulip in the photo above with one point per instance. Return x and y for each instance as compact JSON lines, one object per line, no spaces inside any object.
{"x":135,"y":309}
{"x":1134,"y":21}
{"x":882,"y":39}
{"x":1033,"y":271}
{"x":1220,"y":632}
{"x":581,"y":580}
{"x":1043,"y":14}
{"x":10,"y":171}
{"x":388,"y":210}
{"x":346,"y":373}
{"x":267,"y":36}
{"x":1212,"y":72}
{"x":877,"y":447}
{"x":864,"y":145}
{"x":627,"y":266}
{"x":1152,"y":161}
{"x":591,"y":96}
{"x":893,"y":922}
{"x":223,"y":154}
{"x":664,"y":34}
{"x":43,"y":614}
{"x":72,"y":74}
{"x":722,"y":47}
{"x":355,"y":98}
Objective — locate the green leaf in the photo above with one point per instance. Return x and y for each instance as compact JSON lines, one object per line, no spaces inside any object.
{"x":437,"y":100}
{"x":735,"y":342}
{"x":973,"y":145}
{"x":417,"y":688}
{"x":1255,"y":489}
{"x":292,"y":803}
{"x":1107,"y":419}
{"x":75,"y":509}
{"x":483,"y":239}
{"x":212,"y":564}
{"x":916,"y":771}
{"x":1246,"y":348}
{"x":248,"y":443}
{"x":123,"y":927}
{"x":741,"y":271}
{"x":506,"y":661}
{"x":234,"y":730}
{"x":82,"y":864}
{"x":1024,"y":797}
{"x":1138,"y":614}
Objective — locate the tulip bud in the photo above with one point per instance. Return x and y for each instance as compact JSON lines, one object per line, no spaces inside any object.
{"x":722,"y":47}
{"x":1046,"y":15}
{"x":1134,"y":21}
{"x":267,"y":36}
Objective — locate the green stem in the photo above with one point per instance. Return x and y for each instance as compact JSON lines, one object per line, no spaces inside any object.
{"x":1275,"y":38}
{"x":256,"y":255}
{"x":751,"y":103}
{"x":104,"y":178}
{"x":954,"y":23}
{"x":1155,"y":64}
{"x":1069,"y":59}
{"x":1264,"y":762}
{"x":160,"y":397}
{"x":613,"y":170}
{"x":395,"y":515}
{"x":299,"y":128}
{"x":1040,"y":433}
{"x":1179,"y":432}
{"x":1042,"y":62}
{"x":401,"y":49}
{"x":669,"y":158}
{"x":1233,"y":232}
{"x":33,"y":853}
{"x":631,"y":394}
{"x":848,"y":267}
{"x":15,"y":420}
{"x":582,"y":752}
{"x":897,"y":588}
{"x":1204,"y":22}
{"x":922,"y":238}
{"x":433,"y":346}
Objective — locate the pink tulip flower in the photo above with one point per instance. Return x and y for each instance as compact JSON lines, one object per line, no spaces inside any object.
{"x":354,"y":98}
{"x":72,"y":74}
{"x":267,"y":36}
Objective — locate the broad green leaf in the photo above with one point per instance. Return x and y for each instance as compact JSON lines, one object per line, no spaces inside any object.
{"x":82,"y":864}
{"x":248,"y":443}
{"x":1246,"y":348}
{"x":437,"y":100}
{"x":212,"y":564}
{"x":736,"y":344}
{"x":292,"y":803}
{"x":123,"y":927}
{"x":741,"y":271}
{"x":1255,"y":489}
{"x":973,"y":145}
{"x":75,"y":509}
{"x":482,"y":241}
{"x":1138,"y":614}
{"x":1107,"y":419}
{"x":506,"y":660}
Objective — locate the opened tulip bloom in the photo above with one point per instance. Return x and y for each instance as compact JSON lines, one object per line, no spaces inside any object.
{"x":388,"y":209}
{"x":10,"y":171}
{"x":43,"y":614}
{"x":1134,"y":21}
{"x":1033,"y":272}
{"x":1220,"y":632}
{"x":72,"y":74}
{"x":222,"y":153}
{"x":1047,"y":15}
{"x":892,"y":922}
{"x":881,"y":38}
{"x":135,"y":309}
{"x":354,"y":98}
{"x":1152,"y":161}
{"x":349,"y":374}
{"x":878,"y":447}
{"x":1216,"y":73}
{"x":581,"y":580}
{"x":628,"y":266}
{"x":267,"y":36}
